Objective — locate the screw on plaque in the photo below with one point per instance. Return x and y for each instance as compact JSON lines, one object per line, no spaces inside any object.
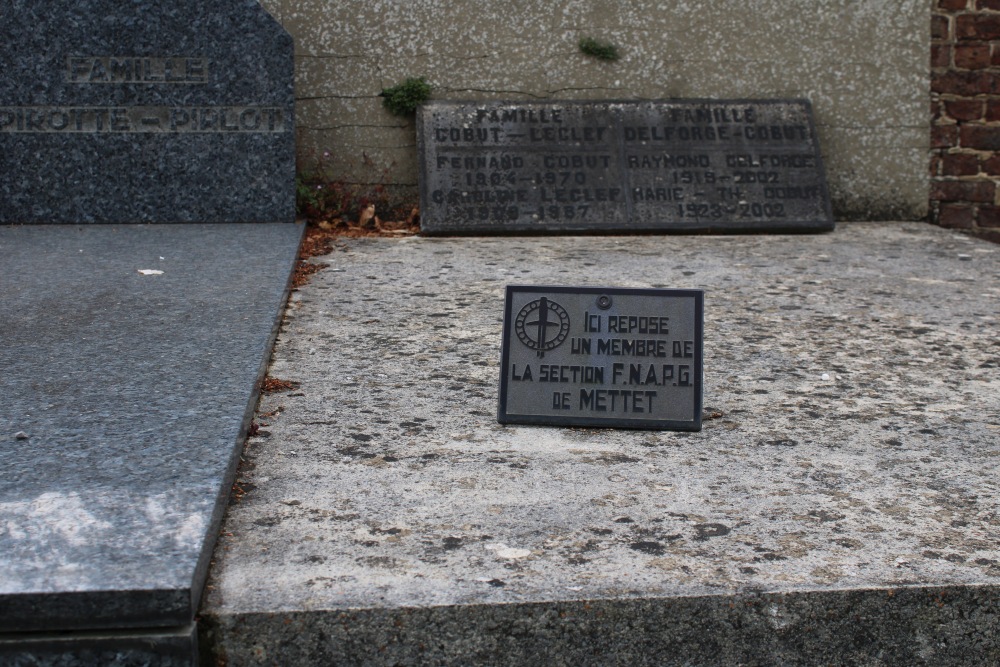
{"x":604,"y":302}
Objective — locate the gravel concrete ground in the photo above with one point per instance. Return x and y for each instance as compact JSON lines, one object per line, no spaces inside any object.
{"x":840,"y":503}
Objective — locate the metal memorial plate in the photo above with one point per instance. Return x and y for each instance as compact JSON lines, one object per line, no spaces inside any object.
{"x":676,"y":165}
{"x":595,"y":356}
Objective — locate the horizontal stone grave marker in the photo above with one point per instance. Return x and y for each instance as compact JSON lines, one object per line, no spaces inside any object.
{"x":145,"y":112}
{"x":592,"y":356}
{"x":678,"y":165}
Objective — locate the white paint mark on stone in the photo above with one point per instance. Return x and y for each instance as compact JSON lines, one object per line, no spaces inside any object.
{"x":509,"y":553}
{"x":151,"y":272}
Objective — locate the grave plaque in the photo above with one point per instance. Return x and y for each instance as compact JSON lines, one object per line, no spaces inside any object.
{"x":675,"y":165}
{"x":145,"y":111}
{"x":594,"y":356}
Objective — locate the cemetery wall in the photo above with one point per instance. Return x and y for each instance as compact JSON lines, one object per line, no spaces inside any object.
{"x":965,"y":105}
{"x":863,"y":63}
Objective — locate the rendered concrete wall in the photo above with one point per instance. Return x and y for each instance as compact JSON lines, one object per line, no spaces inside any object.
{"x":863,"y":63}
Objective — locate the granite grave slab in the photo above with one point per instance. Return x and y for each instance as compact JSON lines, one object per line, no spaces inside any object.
{"x":130,"y":359}
{"x":669,"y":165}
{"x":839,"y":506}
{"x":145,"y":111}
{"x":164,"y":648}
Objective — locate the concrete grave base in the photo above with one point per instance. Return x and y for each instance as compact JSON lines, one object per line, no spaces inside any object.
{"x":908,"y":626}
{"x":839,"y":505}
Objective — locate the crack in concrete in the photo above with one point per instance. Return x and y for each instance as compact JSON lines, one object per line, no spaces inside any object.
{"x":335,"y":97}
{"x":832,"y":126}
{"x":364,"y":147}
{"x":587,"y":88}
{"x":330,"y":56}
{"x":349,"y":126}
{"x":494,"y":92}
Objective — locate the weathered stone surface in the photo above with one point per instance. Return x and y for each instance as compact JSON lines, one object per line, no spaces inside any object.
{"x":145,"y":112}
{"x":133,"y":391}
{"x":669,"y":165}
{"x":839,"y":504}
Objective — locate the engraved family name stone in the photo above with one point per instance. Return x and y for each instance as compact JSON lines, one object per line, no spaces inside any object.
{"x":145,"y":112}
{"x":677,"y":165}
{"x":592,"y":356}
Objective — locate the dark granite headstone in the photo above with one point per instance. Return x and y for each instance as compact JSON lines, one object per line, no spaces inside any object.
{"x":594,"y":356}
{"x":678,"y":165}
{"x":145,"y":111}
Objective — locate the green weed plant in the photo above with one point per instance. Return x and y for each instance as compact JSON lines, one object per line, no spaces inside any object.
{"x":597,"y":49}
{"x":403,"y":99}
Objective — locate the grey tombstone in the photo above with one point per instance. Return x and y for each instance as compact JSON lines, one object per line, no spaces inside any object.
{"x":602,"y":356}
{"x":145,"y":112}
{"x":671,"y":165}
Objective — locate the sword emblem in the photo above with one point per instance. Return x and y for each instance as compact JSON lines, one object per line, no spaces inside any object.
{"x":542,"y":325}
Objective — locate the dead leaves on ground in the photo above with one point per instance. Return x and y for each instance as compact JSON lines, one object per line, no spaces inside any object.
{"x":369,"y":224}
{"x":272,"y":385}
{"x":320,"y":238}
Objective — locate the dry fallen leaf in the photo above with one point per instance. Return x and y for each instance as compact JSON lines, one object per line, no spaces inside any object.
{"x":366,"y":215}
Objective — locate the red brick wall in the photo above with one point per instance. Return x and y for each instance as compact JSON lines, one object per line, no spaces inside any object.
{"x":965,"y":110}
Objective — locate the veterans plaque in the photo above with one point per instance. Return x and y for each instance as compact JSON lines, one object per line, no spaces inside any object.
{"x":594,"y":356}
{"x":145,"y":111}
{"x":673,"y":165}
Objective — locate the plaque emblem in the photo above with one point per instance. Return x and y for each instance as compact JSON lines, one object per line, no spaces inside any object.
{"x":542,"y":325}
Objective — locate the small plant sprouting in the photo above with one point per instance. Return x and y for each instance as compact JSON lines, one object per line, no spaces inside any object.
{"x":404,"y":98}
{"x":598,"y":49}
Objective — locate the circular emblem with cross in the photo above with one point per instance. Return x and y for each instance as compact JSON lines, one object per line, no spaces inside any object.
{"x":542,"y":325}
